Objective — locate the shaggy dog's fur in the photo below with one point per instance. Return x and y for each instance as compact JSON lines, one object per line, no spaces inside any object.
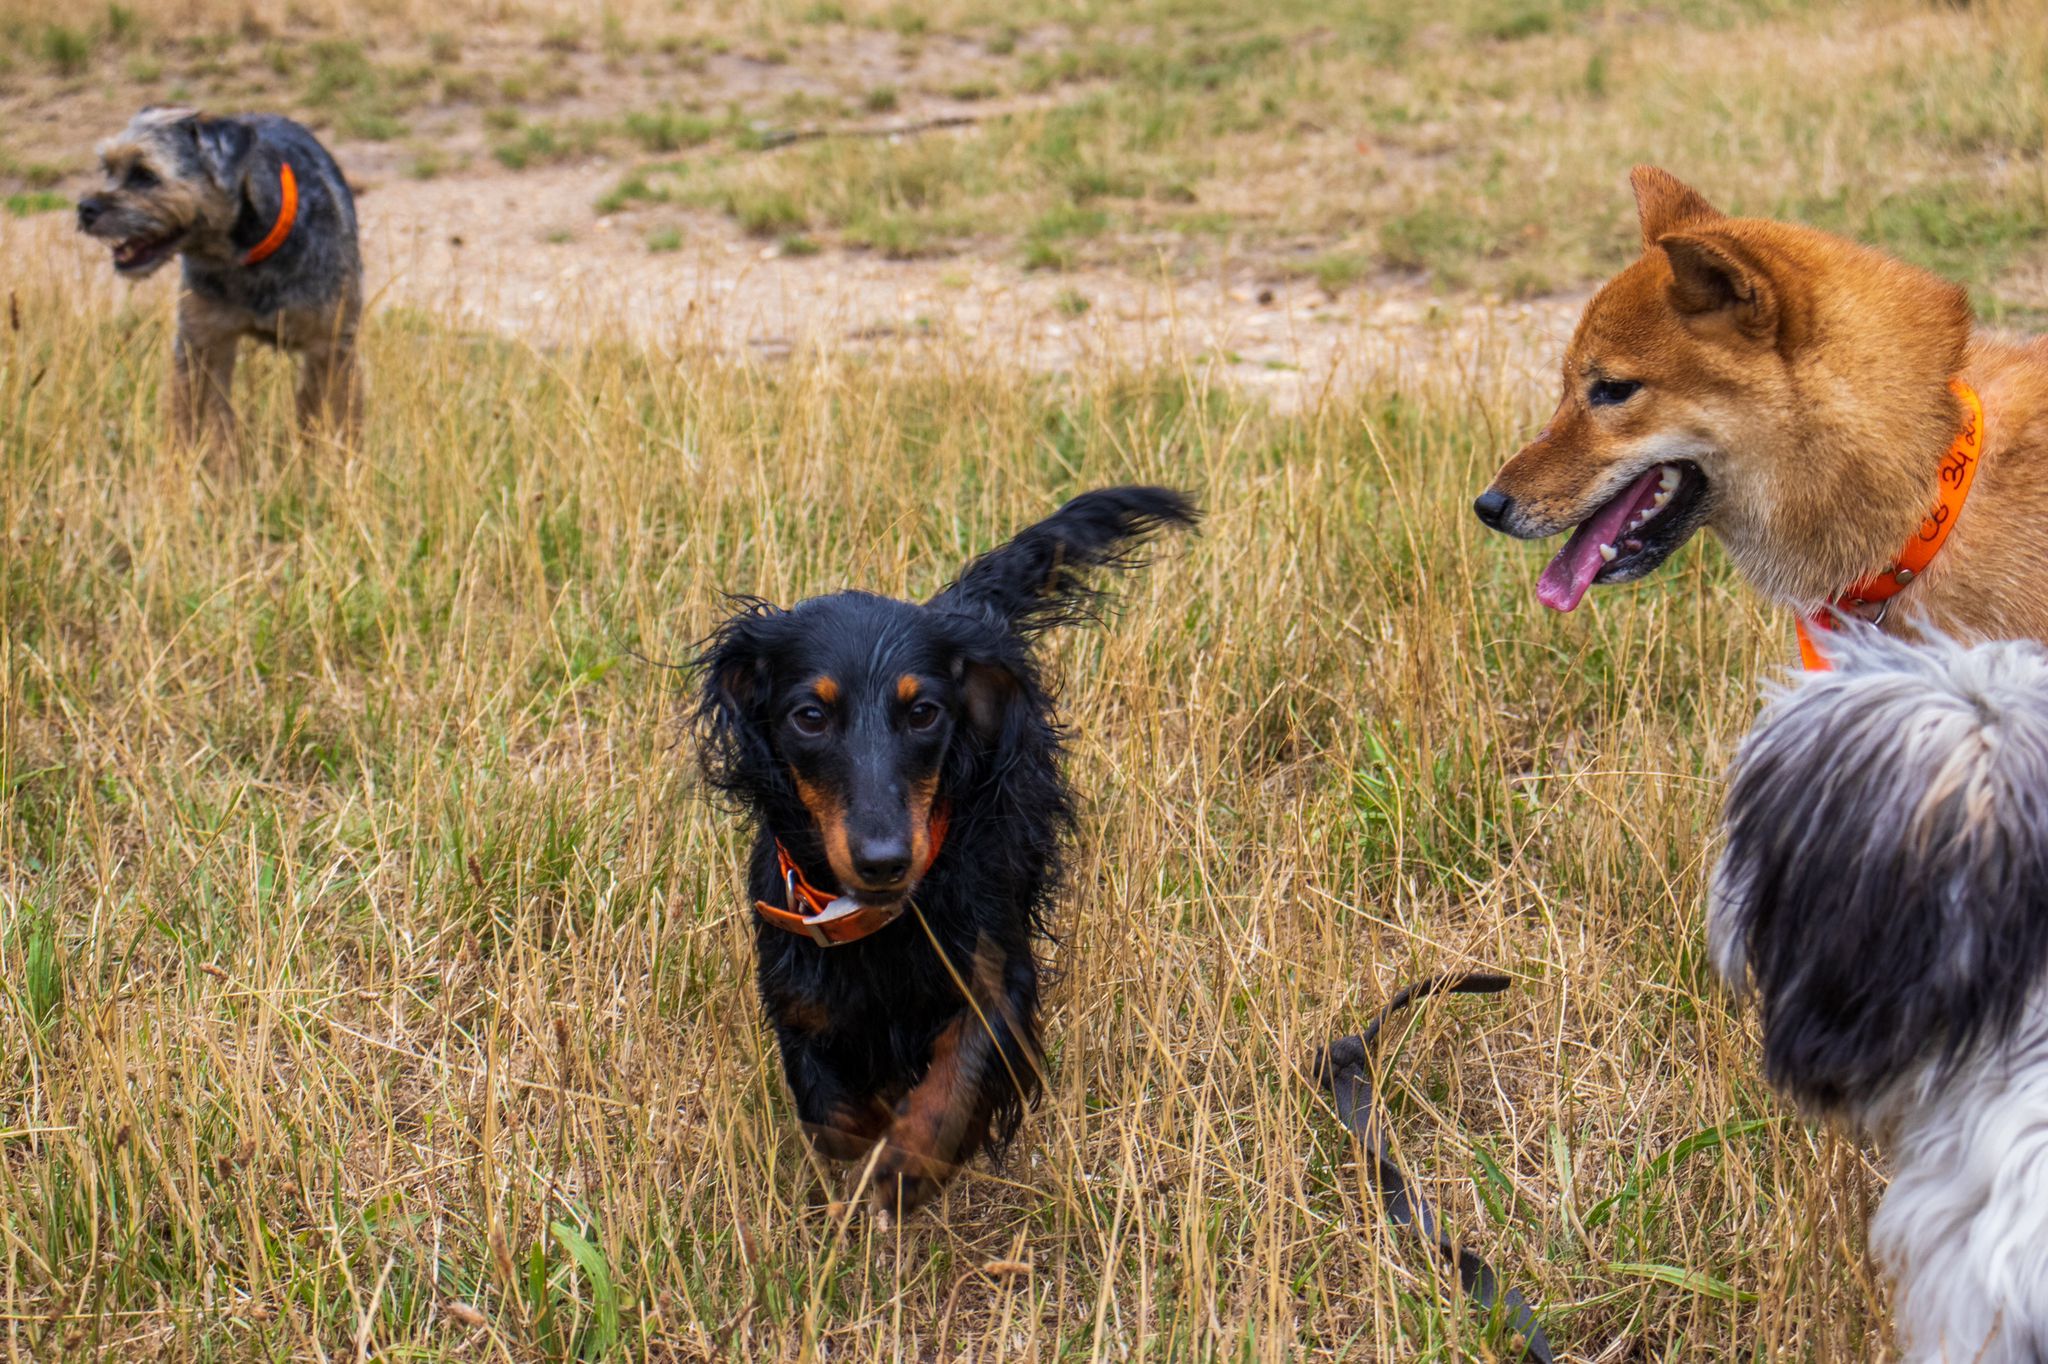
{"x":209,"y":191}
{"x":1884,"y":898}
{"x":907,"y":756}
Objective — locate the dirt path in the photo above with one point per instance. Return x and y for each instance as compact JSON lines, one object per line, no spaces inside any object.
{"x":525,"y":255}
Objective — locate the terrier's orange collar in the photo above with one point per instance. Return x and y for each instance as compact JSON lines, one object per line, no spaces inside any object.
{"x":833,"y":920}
{"x":287,"y":214}
{"x":1958,"y":471}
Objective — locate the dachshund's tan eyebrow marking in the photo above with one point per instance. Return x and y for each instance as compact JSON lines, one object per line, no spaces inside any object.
{"x":827,"y":689}
{"x":906,"y":688}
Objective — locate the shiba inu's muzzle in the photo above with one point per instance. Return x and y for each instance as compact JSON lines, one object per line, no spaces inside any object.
{"x":1625,"y":537}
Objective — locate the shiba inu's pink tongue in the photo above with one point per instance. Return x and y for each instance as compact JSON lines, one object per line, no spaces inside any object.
{"x":1564,"y":582}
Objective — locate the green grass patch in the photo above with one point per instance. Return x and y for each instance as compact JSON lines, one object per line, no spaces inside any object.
{"x":669,"y":129}
{"x":34,"y":201}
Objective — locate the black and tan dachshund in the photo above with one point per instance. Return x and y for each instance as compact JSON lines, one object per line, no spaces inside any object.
{"x":903,"y":765}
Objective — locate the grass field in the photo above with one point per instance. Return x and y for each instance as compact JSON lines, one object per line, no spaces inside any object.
{"x":369,"y":950}
{"x":1470,"y":144}
{"x":374,"y":975}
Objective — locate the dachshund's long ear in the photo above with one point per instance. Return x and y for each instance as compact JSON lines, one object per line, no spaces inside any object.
{"x":993,"y":694}
{"x":1884,"y":887}
{"x":1039,"y":579}
{"x":731,"y":714}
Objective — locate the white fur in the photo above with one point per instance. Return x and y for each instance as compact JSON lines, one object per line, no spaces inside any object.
{"x":1964,"y":1227}
{"x":1904,"y":729}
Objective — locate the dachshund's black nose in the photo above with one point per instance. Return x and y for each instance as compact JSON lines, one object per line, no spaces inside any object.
{"x":882,"y":861}
{"x":1492,"y":507}
{"x":89,"y":211}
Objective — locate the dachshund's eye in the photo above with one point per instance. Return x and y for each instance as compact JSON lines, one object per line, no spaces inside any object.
{"x":809,"y":720}
{"x":924,"y":716}
{"x":140,"y":177}
{"x":1611,"y":392}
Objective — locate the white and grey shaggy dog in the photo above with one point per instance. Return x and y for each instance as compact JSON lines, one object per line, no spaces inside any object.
{"x":1883,"y":896}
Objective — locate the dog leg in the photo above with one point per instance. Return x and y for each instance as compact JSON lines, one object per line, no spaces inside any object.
{"x":203,"y":377}
{"x":841,"y":1124}
{"x":330,"y":394}
{"x":330,"y":400}
{"x":945,"y":1118}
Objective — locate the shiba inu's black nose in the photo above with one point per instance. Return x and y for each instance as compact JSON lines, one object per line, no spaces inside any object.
{"x":1492,"y":507}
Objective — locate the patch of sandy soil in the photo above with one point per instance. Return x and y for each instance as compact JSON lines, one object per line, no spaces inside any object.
{"x":524,"y":255}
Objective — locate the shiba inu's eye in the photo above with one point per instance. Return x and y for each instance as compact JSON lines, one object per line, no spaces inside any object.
{"x":1608,"y":392}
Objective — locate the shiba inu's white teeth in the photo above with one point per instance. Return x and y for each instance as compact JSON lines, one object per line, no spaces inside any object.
{"x":1608,"y":552}
{"x":1667,"y":486}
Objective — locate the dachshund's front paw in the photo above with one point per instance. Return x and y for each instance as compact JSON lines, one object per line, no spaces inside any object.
{"x":907,"y":1173}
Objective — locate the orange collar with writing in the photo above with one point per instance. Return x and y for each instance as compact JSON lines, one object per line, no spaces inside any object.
{"x":1958,"y":471}
{"x":834,"y":920}
{"x":287,"y":214}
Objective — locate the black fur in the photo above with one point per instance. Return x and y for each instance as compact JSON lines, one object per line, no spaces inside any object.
{"x":858,"y":1023}
{"x":1885,"y":880}
{"x":319,"y":260}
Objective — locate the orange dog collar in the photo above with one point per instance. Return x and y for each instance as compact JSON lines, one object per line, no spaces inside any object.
{"x":1958,"y":471}
{"x":287,"y":214}
{"x":834,"y":920}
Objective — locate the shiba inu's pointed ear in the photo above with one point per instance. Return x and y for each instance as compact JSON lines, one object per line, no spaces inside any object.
{"x":1666,"y":203}
{"x":1712,"y":276}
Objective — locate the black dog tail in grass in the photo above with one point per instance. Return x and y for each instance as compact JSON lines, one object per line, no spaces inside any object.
{"x":1039,"y":579}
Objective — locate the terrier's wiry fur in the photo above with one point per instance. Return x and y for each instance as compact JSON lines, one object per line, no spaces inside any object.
{"x":207,"y":189}
{"x":1883,"y":898}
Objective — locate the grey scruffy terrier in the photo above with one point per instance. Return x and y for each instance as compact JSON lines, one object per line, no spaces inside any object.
{"x":267,"y":229}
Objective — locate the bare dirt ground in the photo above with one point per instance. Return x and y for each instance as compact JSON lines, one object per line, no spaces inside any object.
{"x":1303,"y":215}
{"x":524,"y":255}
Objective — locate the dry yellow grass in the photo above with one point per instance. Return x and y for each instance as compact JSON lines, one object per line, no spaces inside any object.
{"x":1460,"y":145}
{"x":375,"y":979}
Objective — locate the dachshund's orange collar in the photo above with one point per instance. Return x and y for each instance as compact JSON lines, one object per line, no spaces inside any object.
{"x":287,"y":214}
{"x":1958,"y":471}
{"x":833,"y":920}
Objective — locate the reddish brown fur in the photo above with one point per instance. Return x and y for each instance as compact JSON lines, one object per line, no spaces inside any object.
{"x":921,"y":796}
{"x":849,"y":1132}
{"x":805,"y":1015}
{"x":1808,"y":377}
{"x":944,"y":1112}
{"x":906,"y":688}
{"x":830,"y":816}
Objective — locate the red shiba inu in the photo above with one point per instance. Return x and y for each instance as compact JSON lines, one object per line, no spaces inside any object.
{"x":1825,"y":409}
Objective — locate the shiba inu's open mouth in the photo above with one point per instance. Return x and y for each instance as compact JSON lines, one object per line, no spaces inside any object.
{"x":139,"y":255}
{"x":1628,"y":536}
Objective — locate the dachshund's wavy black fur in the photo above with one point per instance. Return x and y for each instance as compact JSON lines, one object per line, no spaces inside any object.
{"x":844,"y":725}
